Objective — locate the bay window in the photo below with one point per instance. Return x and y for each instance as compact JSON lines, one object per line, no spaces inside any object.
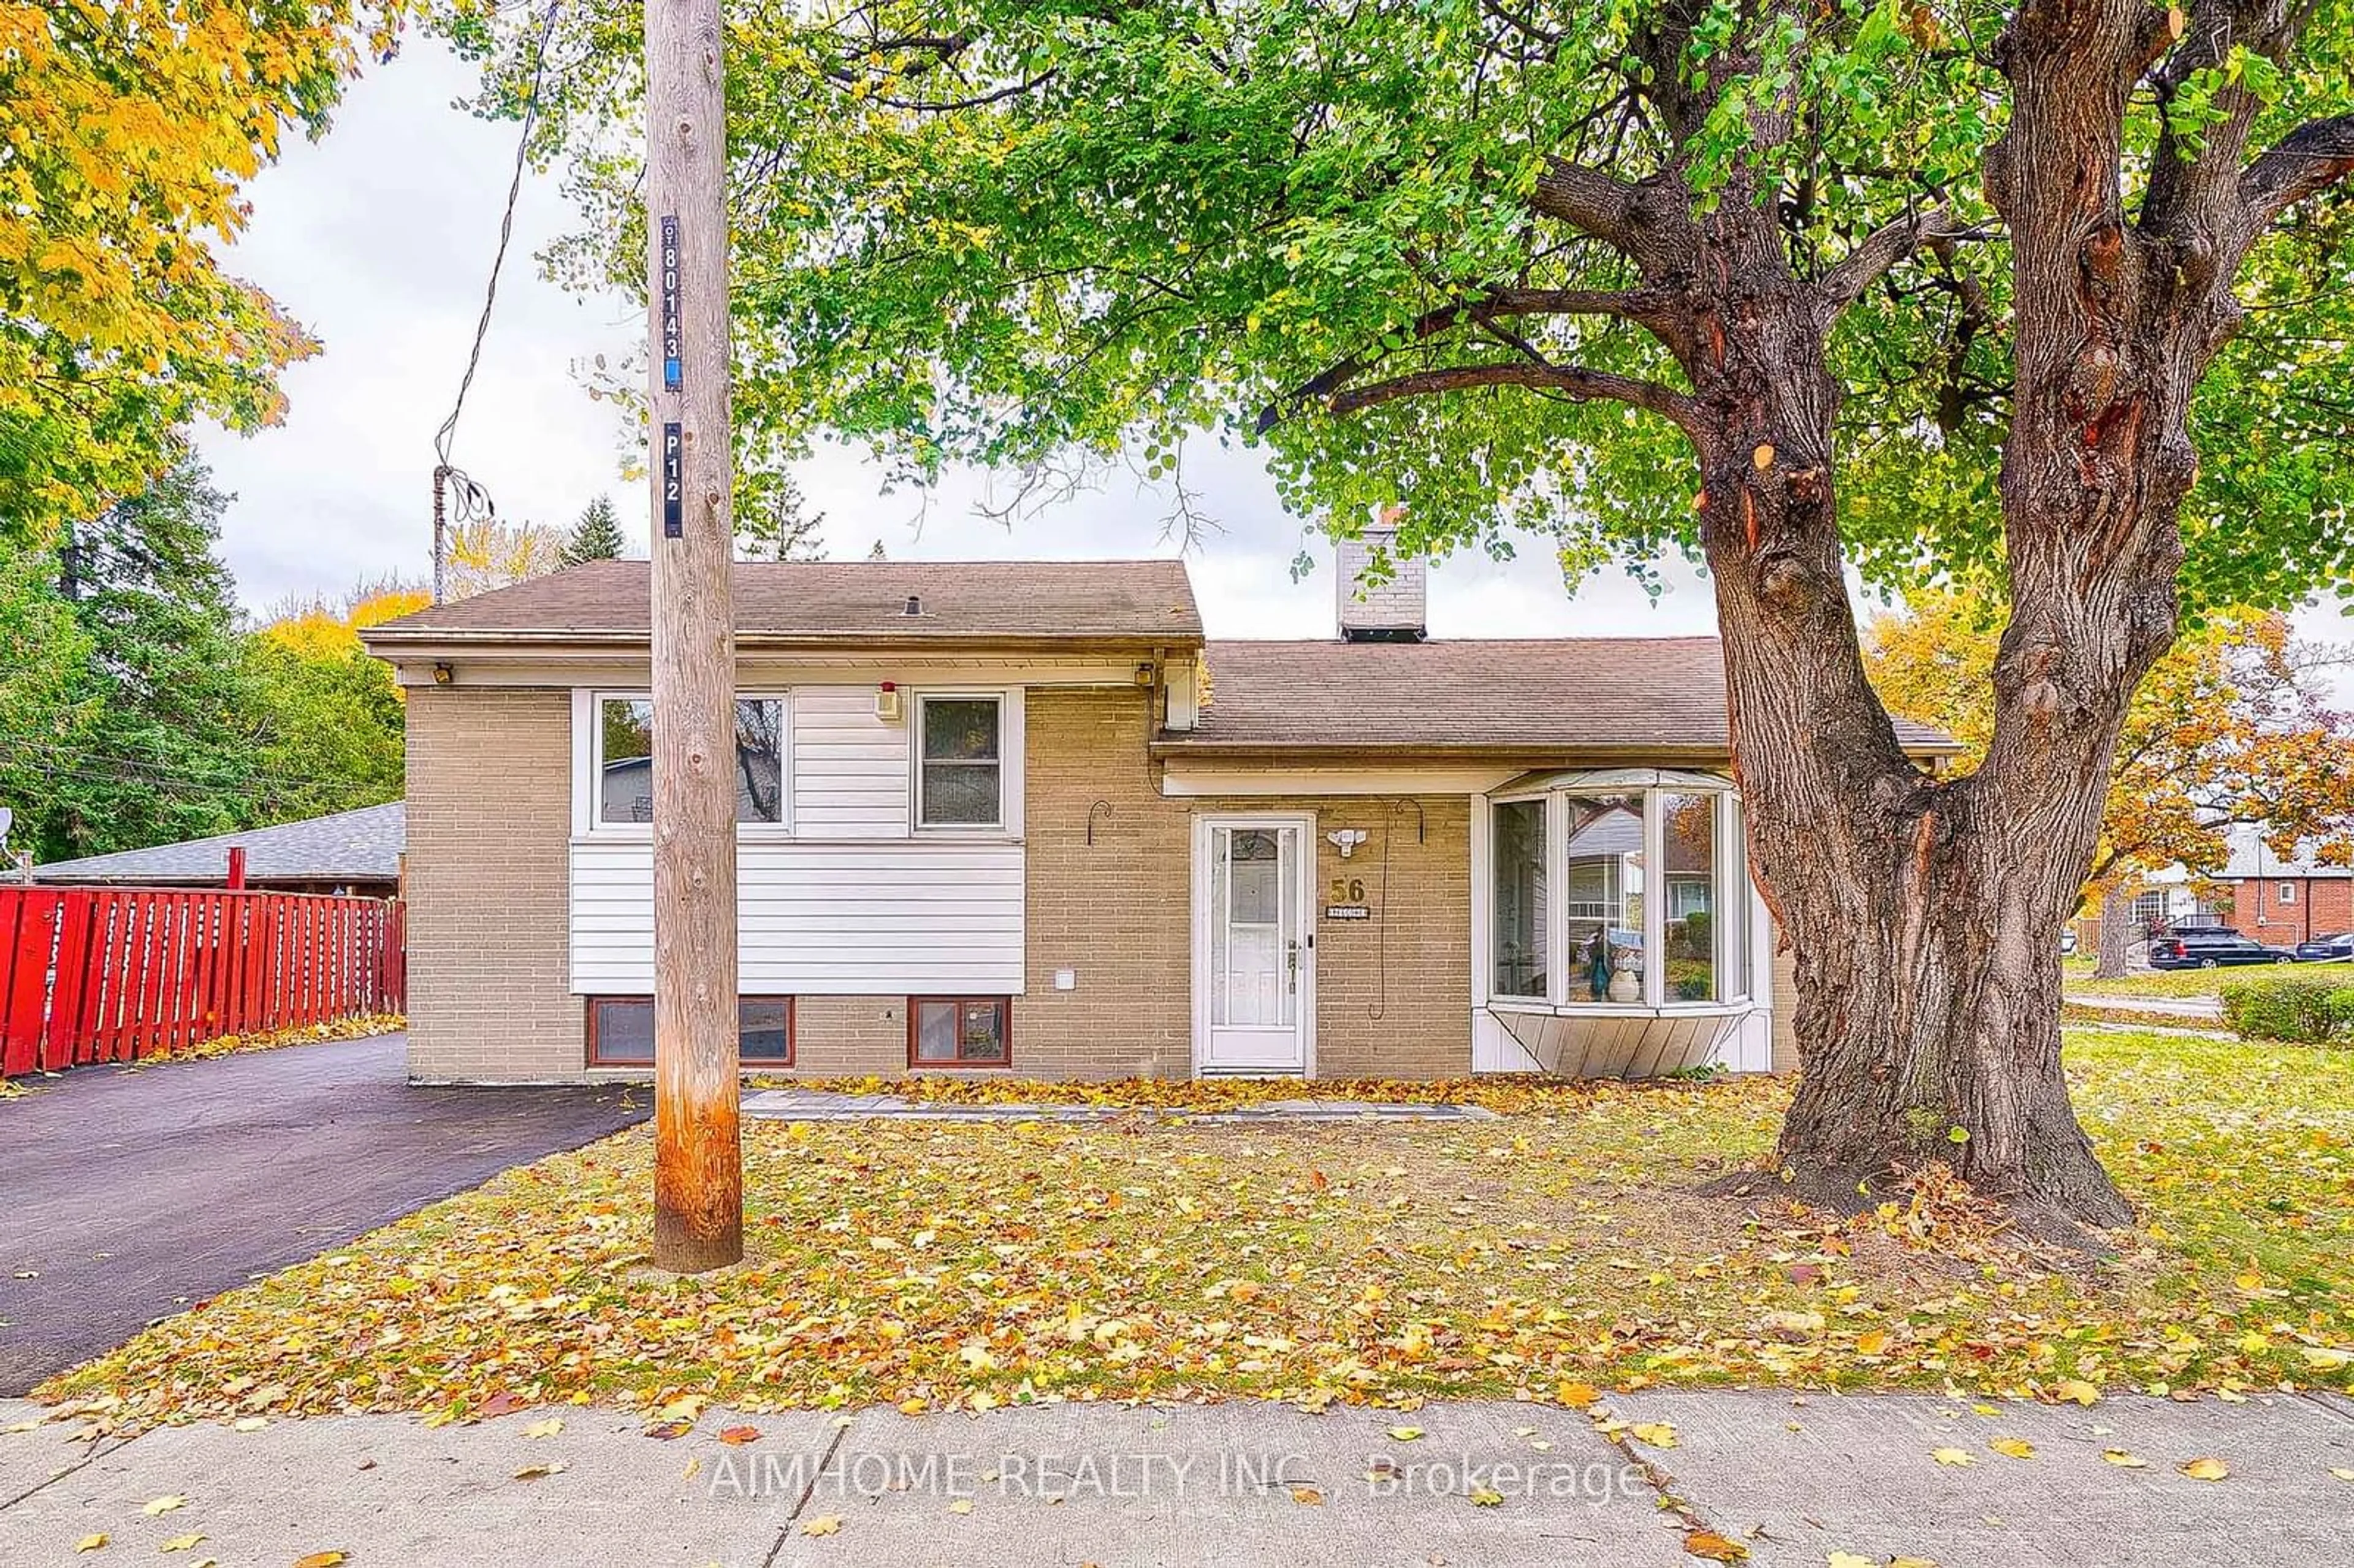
{"x":1520,"y":899}
{"x":1620,"y":889}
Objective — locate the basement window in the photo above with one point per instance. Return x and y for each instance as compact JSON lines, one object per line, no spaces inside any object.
{"x":621,"y":1030}
{"x":960,"y":1031}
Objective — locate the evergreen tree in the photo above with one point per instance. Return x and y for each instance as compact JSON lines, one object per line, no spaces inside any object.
{"x":597,"y":536}
{"x":154,"y":738}
{"x":773,"y":522}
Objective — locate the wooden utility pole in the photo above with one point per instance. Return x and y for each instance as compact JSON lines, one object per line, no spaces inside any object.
{"x":698,"y":1160}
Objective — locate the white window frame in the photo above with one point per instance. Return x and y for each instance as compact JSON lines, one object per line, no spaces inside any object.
{"x":1552,"y":915}
{"x":1010,"y":745}
{"x":2288,"y":894}
{"x":1738,"y":985}
{"x":587,"y":762}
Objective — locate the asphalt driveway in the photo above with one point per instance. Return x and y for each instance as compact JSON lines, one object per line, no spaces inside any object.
{"x":125,"y":1195}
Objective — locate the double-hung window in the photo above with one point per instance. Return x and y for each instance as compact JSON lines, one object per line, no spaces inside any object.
{"x":625,"y":761}
{"x":961,"y":762}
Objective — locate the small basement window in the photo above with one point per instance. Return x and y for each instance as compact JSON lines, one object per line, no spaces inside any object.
{"x":2289,"y":892}
{"x":621,"y":1030}
{"x":960,"y":1031}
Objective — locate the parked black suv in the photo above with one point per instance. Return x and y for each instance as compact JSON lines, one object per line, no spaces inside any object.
{"x":2212,"y":949}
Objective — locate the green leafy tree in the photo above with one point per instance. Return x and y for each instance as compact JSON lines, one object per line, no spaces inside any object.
{"x":1930,"y":287}
{"x":136,"y":710}
{"x":127,"y":131}
{"x":152,"y":740}
{"x":597,"y":536}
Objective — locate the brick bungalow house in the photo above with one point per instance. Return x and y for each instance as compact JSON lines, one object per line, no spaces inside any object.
{"x":2285,"y":902}
{"x":1022,"y":816}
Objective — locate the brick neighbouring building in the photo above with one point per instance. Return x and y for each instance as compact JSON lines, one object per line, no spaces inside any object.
{"x":2285,"y":902}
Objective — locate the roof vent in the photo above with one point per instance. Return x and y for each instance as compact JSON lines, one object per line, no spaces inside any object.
{"x":915,"y":605}
{"x":1395,"y":610}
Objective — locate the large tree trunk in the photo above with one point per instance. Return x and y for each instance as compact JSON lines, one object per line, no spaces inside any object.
{"x":1926,"y":912}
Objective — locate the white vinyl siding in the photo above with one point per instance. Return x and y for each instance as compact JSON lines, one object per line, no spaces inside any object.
{"x":849,"y":769}
{"x":909,"y":917}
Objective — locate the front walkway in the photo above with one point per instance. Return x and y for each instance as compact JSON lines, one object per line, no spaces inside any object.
{"x":1797,"y":1481}
{"x":132,"y":1191}
{"x":821,"y":1105}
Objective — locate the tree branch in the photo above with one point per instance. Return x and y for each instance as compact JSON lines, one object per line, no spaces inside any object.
{"x":1569,"y":379}
{"x":1614,"y":212}
{"x":1882,"y":248}
{"x":2305,"y":162}
{"x":1643,"y":306}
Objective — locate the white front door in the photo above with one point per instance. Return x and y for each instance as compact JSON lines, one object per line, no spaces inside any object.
{"x":1253,"y":972}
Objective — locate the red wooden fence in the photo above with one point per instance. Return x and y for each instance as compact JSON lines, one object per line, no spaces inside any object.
{"x":118,"y":975}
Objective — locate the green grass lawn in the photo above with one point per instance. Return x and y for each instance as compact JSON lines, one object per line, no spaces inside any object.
{"x":1560,"y":1247}
{"x":2078,"y":980}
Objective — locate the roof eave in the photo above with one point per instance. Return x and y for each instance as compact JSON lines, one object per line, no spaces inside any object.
{"x":428,"y":643}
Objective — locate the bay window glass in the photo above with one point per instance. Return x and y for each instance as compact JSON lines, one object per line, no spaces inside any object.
{"x":1618,"y":889}
{"x":1603,"y":877}
{"x":625,"y":760}
{"x":1688,"y":845}
{"x":1520,"y":923}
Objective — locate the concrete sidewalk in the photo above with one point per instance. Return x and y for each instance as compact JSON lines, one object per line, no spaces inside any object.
{"x":1251,"y":1486}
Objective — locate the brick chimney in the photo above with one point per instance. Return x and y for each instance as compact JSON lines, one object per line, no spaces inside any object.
{"x":1396,"y":611}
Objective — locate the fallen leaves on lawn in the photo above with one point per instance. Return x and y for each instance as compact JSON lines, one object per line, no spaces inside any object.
{"x":1546,"y":1255}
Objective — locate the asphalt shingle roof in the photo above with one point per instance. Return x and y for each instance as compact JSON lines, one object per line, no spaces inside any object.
{"x":348,"y":846}
{"x":1529,"y":695}
{"x":840,"y":602}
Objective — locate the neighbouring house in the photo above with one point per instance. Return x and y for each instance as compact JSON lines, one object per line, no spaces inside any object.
{"x":2170,"y":899}
{"x":2285,"y":901}
{"x":1023,"y":816}
{"x":355,"y":853}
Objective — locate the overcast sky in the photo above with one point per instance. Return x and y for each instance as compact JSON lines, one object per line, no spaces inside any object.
{"x":379,"y":237}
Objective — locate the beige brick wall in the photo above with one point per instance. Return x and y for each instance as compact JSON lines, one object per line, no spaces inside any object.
{"x":488,"y":870}
{"x":490,"y":821}
{"x":1394,"y":992}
